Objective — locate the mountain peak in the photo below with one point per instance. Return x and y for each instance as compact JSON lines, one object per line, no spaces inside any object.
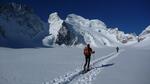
{"x":53,"y":17}
{"x":145,"y":32}
{"x":76,"y":30}
{"x":19,"y":26}
{"x":55,"y":23}
{"x":14,"y":7}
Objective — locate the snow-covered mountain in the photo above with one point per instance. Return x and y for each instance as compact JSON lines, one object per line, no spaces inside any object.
{"x":144,"y":39}
{"x":145,"y":33}
{"x":76,"y":30}
{"x":20,"y":26}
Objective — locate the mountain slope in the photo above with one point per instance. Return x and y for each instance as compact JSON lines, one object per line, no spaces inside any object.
{"x":146,"y":32}
{"x":76,"y":30}
{"x":19,"y":26}
{"x":144,"y":39}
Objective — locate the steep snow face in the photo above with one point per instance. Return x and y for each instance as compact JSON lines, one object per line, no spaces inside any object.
{"x":91,"y":30}
{"x":19,"y":26}
{"x":76,"y":30}
{"x":144,"y":38}
{"x":78,"y":20}
{"x":145,"y":43}
{"x":55,"y":23}
{"x":146,"y":32}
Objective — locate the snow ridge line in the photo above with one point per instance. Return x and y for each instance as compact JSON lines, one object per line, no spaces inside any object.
{"x":69,"y":77}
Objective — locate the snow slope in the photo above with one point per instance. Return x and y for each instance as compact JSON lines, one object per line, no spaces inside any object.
{"x":76,"y":30}
{"x":131,"y":67}
{"x":143,"y":44}
{"x":144,"y":39}
{"x":146,"y":32}
{"x":37,"y":65}
{"x":47,"y":66}
{"x":77,"y":77}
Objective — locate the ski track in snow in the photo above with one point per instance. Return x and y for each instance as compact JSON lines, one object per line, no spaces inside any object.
{"x":76,"y":77}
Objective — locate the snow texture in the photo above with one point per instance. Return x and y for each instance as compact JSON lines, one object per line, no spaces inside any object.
{"x":47,"y":66}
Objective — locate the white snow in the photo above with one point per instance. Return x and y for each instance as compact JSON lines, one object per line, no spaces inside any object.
{"x":146,"y":31}
{"x":131,"y":67}
{"x":35,"y":66}
{"x":55,"y":24}
{"x":143,"y":44}
{"x":85,"y":31}
{"x":63,"y":66}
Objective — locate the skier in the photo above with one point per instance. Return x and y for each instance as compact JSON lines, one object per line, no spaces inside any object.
{"x":87,"y":53}
{"x":117,"y":48}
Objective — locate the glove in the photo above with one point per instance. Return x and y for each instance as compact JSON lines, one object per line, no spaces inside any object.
{"x":93,"y":52}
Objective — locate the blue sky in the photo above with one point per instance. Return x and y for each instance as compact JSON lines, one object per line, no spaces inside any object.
{"x":127,"y":15}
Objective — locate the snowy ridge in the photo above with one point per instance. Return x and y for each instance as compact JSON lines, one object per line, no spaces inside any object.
{"x":145,"y":33}
{"x":26,"y":29}
{"x":143,"y":44}
{"x":77,"y":78}
{"x":76,"y":30}
{"x":54,"y":24}
{"x":144,"y":38}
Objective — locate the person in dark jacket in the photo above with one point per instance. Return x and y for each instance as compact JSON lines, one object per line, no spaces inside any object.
{"x":117,"y":48}
{"x":87,"y":53}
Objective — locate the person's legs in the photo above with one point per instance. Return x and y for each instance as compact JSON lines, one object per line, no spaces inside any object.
{"x":89,"y":58}
{"x":86,"y":60}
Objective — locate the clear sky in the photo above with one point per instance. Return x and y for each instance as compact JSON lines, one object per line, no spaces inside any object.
{"x":127,"y":15}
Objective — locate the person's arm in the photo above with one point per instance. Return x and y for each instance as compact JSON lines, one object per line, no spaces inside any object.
{"x":92,"y":51}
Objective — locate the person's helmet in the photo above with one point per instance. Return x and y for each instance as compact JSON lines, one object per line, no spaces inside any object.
{"x":88,"y":45}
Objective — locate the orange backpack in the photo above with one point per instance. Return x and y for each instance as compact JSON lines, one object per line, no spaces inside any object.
{"x":87,"y":51}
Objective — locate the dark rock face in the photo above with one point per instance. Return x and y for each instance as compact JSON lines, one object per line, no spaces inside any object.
{"x":20,"y":26}
{"x":2,"y":32}
{"x":68,"y":36}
